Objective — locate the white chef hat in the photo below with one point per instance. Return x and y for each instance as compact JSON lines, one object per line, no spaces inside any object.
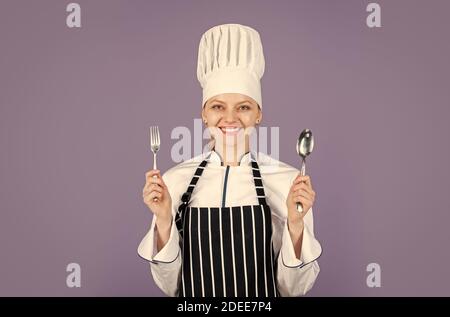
{"x":230,"y":60}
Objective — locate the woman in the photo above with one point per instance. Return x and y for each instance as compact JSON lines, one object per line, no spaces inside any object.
{"x":225,"y":223}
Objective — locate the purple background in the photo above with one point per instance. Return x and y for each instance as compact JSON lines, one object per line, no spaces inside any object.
{"x":76,"y":104}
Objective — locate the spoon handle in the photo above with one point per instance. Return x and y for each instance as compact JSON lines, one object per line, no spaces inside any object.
{"x":302,"y":172}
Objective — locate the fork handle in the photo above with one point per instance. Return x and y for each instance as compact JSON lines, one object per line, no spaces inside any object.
{"x":302,"y":172}
{"x":154,"y":167}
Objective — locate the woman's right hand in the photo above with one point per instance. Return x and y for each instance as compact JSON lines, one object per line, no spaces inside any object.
{"x":156,"y":196}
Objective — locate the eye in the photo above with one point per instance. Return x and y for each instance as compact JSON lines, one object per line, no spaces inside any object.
{"x":244,"y":107}
{"x":216,"y":107}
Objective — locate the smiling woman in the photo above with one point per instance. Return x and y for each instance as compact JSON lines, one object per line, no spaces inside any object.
{"x":231,"y":119}
{"x":225,"y":223}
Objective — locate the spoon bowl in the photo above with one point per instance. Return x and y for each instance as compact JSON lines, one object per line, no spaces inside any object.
{"x":305,"y":145}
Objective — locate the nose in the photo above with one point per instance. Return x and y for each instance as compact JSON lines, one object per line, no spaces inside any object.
{"x":230,"y":116}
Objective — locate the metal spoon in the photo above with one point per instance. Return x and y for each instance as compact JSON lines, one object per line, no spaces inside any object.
{"x":305,"y":145}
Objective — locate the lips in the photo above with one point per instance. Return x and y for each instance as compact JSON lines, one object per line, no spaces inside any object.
{"x":230,"y":130}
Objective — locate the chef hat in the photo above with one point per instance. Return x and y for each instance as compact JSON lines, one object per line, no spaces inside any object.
{"x":230,"y":60}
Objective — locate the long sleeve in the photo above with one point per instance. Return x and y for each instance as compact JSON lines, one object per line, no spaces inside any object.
{"x":165,"y":265}
{"x":295,"y":277}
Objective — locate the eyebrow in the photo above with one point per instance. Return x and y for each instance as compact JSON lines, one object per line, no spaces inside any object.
{"x":238,"y":103}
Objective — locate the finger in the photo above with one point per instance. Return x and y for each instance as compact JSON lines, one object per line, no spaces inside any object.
{"x":303,"y":196}
{"x":304,"y":178}
{"x":297,"y":179}
{"x":158,"y":181}
{"x":148,"y":187}
{"x":156,"y":195}
{"x":304,"y":201}
{"x":152,"y":188}
{"x":303,"y":186}
{"x":303,"y":192}
{"x":152,"y":196}
{"x":151,"y":173}
{"x":306,"y":191}
{"x":153,"y":177}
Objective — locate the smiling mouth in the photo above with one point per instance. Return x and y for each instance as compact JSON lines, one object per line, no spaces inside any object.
{"x":230,"y":130}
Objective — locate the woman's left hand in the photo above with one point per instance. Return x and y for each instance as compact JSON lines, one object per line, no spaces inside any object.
{"x":301,"y":192}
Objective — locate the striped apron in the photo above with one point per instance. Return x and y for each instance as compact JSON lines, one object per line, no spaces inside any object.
{"x":226,"y":251}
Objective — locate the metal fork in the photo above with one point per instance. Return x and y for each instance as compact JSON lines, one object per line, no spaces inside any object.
{"x":155,"y":143}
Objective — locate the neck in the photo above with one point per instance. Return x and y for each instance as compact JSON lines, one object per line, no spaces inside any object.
{"x":231,"y":155}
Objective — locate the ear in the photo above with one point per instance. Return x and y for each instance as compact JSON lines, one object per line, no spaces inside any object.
{"x":203,"y":114}
{"x":259,"y":117}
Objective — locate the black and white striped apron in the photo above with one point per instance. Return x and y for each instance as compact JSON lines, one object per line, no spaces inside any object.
{"x":226,"y":251}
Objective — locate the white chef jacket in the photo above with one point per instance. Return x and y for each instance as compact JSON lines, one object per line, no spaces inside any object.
{"x":294,"y":276}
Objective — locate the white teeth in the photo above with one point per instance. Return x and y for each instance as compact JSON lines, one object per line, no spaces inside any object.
{"x":230,"y":130}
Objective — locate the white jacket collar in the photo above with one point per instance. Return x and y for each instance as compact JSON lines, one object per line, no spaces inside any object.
{"x":216,"y":159}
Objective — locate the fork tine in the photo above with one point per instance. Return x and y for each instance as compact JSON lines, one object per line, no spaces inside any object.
{"x":154,"y":136}
{"x":158,"y":141}
{"x":151,"y":136}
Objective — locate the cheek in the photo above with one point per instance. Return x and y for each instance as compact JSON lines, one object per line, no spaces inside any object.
{"x":248,"y":120}
{"x":212,"y":118}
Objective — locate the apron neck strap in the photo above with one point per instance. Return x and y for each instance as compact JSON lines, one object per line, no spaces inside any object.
{"x":260,"y":193}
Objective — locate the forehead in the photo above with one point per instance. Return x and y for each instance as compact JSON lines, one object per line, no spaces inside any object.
{"x":231,"y":98}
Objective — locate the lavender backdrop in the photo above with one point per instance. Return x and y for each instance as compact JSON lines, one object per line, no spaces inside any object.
{"x":76,"y":104}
